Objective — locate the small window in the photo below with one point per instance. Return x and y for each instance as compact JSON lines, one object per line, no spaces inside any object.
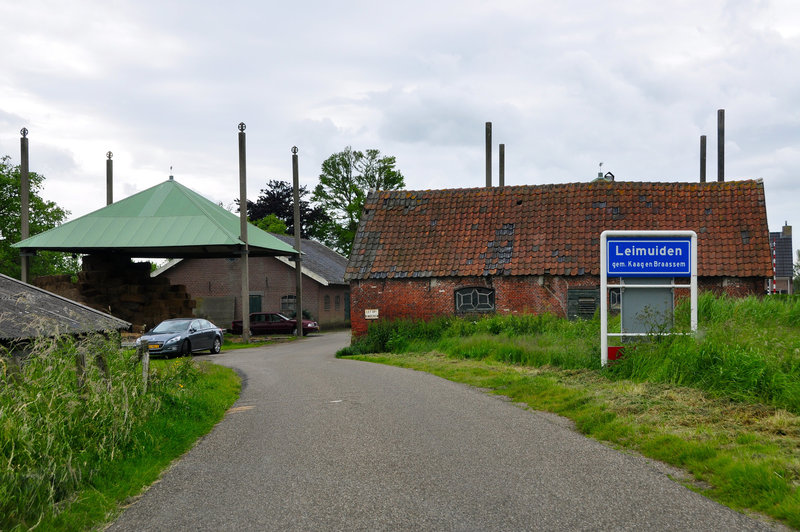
{"x":582,"y":303}
{"x":288,"y":304}
{"x":337,"y":303}
{"x":327,"y":302}
{"x":474,"y":299}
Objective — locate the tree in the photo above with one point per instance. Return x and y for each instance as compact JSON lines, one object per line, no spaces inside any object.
{"x":44,"y":215}
{"x":278,"y":199}
{"x":271,"y":224}
{"x":346,"y":178}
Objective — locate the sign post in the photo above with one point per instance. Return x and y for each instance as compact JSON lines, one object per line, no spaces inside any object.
{"x":645,"y":254}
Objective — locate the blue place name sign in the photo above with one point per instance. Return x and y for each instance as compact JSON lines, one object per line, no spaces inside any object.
{"x":649,"y":257}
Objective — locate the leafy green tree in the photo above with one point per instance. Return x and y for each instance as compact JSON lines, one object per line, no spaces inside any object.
{"x":271,"y":224}
{"x":277,"y":199}
{"x":345,"y":180}
{"x":44,"y":215}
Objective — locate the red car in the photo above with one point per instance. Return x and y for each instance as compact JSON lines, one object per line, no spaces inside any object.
{"x":273,"y":323}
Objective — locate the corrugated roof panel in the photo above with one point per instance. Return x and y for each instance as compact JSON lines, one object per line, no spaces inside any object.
{"x":167,"y":215}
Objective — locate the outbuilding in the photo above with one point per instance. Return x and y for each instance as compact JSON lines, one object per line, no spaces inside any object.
{"x":535,"y":249}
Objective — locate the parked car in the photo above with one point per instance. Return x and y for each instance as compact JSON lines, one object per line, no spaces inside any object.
{"x":182,"y":336}
{"x":273,"y":323}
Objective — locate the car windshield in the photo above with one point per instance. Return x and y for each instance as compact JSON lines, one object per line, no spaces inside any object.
{"x":171,"y":326}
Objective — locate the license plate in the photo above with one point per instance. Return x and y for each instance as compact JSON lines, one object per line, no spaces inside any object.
{"x":153,"y":346}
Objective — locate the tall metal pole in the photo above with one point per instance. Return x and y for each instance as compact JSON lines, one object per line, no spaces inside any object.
{"x":243,"y":236}
{"x":721,"y":145}
{"x":109,"y":179}
{"x":502,"y":177}
{"x":702,"y":158}
{"x":25,"y":201}
{"x":298,"y":261}
{"x":488,"y":154}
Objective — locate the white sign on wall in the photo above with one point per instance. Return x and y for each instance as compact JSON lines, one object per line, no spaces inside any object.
{"x":370,"y":314}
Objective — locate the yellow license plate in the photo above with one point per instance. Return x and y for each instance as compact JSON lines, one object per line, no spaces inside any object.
{"x":153,"y":346}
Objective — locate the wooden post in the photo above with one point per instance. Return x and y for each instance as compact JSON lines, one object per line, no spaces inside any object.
{"x":243,"y":236}
{"x":488,"y":154}
{"x":721,"y":145}
{"x":702,"y":158}
{"x":298,"y":264}
{"x":24,"y":194}
{"x":144,"y":356}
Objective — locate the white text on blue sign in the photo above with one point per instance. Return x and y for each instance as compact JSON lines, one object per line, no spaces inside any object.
{"x":649,"y":257}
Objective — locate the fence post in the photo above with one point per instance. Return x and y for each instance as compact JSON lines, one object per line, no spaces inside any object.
{"x":144,"y":356}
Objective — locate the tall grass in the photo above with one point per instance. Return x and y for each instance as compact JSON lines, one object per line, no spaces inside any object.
{"x":746,"y":349}
{"x":55,"y":433}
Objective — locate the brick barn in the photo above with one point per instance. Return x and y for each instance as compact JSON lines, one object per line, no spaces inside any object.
{"x":215,"y":284}
{"x":535,"y":249}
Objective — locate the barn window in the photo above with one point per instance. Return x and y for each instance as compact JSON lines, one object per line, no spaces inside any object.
{"x":474,"y":299}
{"x":327,"y":302}
{"x":582,"y":303}
{"x":288,"y":304}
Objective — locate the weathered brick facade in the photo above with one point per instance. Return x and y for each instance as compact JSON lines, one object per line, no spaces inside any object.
{"x":427,"y":298}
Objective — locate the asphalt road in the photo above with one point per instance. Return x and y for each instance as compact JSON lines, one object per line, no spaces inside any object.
{"x":316,"y":443}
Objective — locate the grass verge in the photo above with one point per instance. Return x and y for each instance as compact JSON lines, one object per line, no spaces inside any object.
{"x":71,"y":452}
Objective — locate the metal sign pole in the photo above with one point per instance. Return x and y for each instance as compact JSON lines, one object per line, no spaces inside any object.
{"x":645,"y":254}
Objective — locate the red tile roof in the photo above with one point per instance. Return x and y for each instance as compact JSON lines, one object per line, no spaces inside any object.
{"x":554,"y":229}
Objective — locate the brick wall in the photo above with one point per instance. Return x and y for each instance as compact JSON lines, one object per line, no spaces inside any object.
{"x":269,"y":278}
{"x":430,"y":297}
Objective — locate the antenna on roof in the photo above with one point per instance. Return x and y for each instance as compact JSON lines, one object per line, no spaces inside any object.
{"x":600,"y":170}
{"x":170,"y":173}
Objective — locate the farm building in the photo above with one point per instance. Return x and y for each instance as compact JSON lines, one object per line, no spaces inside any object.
{"x":535,"y":249}
{"x":215,"y":284}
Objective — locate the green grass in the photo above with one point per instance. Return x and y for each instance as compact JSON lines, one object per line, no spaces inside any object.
{"x":69,"y":456}
{"x":723,"y":406}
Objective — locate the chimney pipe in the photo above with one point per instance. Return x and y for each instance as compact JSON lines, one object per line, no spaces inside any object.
{"x":109,"y":179}
{"x":25,"y":194}
{"x":702,"y":158}
{"x":721,"y":145}
{"x":502,"y":177}
{"x":488,"y":154}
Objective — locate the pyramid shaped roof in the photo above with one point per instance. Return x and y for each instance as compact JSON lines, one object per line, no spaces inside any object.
{"x":166,"y":220}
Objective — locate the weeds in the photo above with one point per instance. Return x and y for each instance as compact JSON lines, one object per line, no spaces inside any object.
{"x":747,"y":349}
{"x":58,"y":425}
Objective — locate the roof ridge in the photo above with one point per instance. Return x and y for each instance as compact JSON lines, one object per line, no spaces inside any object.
{"x":210,"y":215}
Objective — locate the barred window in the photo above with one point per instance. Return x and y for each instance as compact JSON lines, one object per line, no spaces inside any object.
{"x":474,"y":299}
{"x":288,"y":304}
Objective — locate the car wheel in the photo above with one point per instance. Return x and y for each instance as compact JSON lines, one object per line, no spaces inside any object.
{"x":217,"y":346}
{"x":186,"y":348}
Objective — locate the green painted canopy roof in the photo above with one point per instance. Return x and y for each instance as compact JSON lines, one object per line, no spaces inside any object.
{"x":167,"y":220}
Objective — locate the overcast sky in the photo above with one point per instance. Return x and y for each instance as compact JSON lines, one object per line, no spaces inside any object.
{"x":566,"y":85}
